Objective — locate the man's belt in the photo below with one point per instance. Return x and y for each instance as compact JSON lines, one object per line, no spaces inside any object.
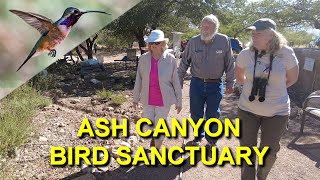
{"x":208,"y":80}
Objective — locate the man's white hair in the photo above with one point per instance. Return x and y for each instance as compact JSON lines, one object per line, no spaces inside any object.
{"x":212,"y":18}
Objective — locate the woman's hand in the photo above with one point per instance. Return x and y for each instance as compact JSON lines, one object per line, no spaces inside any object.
{"x":178,"y":108}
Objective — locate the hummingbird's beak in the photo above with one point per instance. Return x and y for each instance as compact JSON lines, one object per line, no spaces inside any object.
{"x":83,"y":12}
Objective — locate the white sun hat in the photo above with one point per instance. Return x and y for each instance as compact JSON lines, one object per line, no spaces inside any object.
{"x":156,"y":36}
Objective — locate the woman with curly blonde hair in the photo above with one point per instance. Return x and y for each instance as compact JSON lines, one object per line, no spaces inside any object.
{"x":157,"y":84}
{"x":266,"y":69}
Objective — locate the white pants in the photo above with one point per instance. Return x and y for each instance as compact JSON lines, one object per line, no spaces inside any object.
{"x":154,"y":113}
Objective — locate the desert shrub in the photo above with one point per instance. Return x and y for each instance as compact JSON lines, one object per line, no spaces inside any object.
{"x":104,"y":94}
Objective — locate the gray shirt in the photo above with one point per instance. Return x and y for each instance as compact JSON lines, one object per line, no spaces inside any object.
{"x":208,"y":61}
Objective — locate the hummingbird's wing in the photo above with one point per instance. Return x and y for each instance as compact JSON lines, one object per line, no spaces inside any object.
{"x":41,"y":23}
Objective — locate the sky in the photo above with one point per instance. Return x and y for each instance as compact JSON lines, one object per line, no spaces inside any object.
{"x":314,"y":31}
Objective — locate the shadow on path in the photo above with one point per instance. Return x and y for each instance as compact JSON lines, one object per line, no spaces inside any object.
{"x":312,"y":151}
{"x":142,"y":171}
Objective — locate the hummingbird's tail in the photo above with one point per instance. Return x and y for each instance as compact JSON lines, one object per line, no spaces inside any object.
{"x":30,"y":56}
{"x":35,"y":50}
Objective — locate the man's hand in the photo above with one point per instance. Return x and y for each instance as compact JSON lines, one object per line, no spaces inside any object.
{"x":135,"y":105}
{"x":178,"y":108}
{"x":229,"y":90}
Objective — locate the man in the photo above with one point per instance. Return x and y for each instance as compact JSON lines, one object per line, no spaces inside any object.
{"x":209,"y":55}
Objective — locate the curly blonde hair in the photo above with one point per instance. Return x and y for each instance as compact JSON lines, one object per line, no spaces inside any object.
{"x":276,"y":42}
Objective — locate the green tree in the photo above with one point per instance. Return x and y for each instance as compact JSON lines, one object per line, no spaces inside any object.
{"x":234,"y":17}
{"x":168,"y":15}
{"x":299,"y":38}
{"x":302,"y":13}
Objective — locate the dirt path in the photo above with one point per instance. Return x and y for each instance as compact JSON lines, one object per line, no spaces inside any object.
{"x":58,"y":124}
{"x":299,"y":162}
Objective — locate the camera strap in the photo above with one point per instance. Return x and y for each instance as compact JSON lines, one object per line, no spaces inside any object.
{"x":256,"y":54}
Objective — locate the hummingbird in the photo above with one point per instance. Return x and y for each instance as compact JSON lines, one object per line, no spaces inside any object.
{"x":52,"y":33}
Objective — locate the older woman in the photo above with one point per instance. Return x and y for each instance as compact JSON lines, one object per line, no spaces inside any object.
{"x":266,"y":69}
{"x":157,"y":84}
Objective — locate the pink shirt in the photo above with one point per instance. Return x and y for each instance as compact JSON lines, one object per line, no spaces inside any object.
{"x":155,"y":96}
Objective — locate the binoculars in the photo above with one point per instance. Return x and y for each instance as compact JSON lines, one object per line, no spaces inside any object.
{"x":258,"y":88}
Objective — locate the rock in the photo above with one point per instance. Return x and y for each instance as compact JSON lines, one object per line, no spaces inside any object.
{"x":94,"y":98}
{"x":46,"y":108}
{"x":41,"y":176}
{"x":75,"y":101}
{"x":61,"y":125}
{"x":43,"y":139}
{"x":114,"y":153}
{"x":67,"y":87}
{"x":60,"y":84}
{"x":95,"y":102}
{"x":62,"y":131}
{"x":67,"y":76}
{"x":103,"y":168}
{"x":108,"y":148}
{"x":294,"y":112}
{"x":117,"y":142}
{"x":123,"y":143}
{"x":133,"y":140}
{"x":72,"y":77}
{"x":89,"y":109}
{"x":110,"y":109}
{"x":95,"y":82}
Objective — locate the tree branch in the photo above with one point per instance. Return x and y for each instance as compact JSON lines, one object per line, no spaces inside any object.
{"x":79,"y":53}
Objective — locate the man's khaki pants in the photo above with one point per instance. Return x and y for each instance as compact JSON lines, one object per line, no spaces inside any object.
{"x":154,"y":113}
{"x":272,"y":129}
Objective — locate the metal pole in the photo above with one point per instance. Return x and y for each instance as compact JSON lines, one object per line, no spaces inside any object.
{"x":314,"y":75}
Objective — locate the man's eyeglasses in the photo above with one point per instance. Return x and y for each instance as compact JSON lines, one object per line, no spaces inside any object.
{"x":156,"y":43}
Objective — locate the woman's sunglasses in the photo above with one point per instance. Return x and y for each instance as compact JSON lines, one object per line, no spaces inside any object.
{"x":156,"y":43}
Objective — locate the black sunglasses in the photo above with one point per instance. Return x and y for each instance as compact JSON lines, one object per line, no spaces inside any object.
{"x":156,"y":43}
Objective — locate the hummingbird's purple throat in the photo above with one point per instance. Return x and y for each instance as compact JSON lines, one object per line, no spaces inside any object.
{"x":70,"y":21}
